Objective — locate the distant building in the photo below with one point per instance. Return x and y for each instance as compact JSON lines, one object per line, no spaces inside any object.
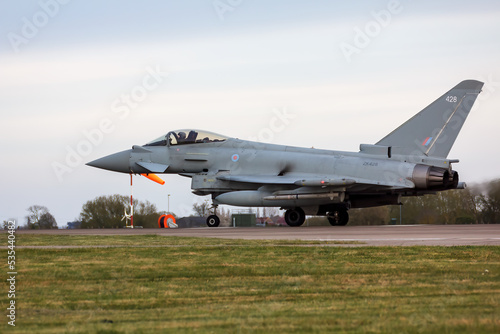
{"x":73,"y":225}
{"x":243,"y":219}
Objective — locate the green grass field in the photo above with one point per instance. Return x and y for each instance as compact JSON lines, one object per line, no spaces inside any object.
{"x":233,"y":286}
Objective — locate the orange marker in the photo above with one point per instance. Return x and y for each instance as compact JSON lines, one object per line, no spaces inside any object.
{"x":154,"y":177}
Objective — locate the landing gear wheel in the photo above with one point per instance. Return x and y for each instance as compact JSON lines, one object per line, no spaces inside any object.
{"x":295,"y":217}
{"x":338,"y":218}
{"x":213,"y":221}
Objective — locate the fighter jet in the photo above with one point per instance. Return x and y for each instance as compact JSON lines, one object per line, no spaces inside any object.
{"x":409,"y":161}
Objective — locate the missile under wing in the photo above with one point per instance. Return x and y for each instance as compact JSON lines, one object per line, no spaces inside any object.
{"x":410,"y":161}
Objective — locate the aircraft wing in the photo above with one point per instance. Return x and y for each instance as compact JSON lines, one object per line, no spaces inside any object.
{"x":317,"y":181}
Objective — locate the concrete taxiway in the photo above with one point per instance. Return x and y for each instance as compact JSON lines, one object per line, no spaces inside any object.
{"x":386,"y":235}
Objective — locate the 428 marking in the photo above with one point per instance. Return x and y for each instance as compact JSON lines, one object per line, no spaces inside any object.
{"x":451,"y":99}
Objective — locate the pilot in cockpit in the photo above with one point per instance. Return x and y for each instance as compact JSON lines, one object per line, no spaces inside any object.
{"x":181,"y":137}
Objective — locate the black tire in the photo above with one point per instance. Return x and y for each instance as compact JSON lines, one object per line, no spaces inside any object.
{"x":295,"y":217}
{"x":213,"y":221}
{"x":338,"y":218}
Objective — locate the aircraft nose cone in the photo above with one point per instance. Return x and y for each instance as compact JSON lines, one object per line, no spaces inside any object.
{"x":118,"y":162}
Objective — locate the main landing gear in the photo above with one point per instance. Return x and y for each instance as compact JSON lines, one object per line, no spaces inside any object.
{"x":338,"y":217}
{"x":295,"y":217}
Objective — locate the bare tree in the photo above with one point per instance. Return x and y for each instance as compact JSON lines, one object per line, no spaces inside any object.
{"x":201,"y":209}
{"x":39,"y":217}
{"x":225,"y":216}
{"x":6,"y":224}
{"x":490,"y":203}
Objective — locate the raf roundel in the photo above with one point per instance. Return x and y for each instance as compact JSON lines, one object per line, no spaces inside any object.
{"x":235,"y":157}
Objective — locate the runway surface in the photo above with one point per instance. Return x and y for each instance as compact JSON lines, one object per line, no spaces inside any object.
{"x":386,"y":235}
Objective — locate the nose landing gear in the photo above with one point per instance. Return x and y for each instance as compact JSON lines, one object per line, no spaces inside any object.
{"x":213,"y":220}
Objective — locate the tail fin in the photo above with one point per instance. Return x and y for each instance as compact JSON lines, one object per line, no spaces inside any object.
{"x":433,"y":130}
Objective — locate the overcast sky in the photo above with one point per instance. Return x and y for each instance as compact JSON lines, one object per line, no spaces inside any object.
{"x":83,"y":79}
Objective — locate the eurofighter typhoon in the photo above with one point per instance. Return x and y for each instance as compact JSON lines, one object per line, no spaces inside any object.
{"x":409,"y":161}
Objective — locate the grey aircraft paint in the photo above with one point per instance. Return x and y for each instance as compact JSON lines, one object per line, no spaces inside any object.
{"x":410,"y":161}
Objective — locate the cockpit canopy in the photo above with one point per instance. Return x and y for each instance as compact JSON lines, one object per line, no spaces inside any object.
{"x":181,"y":137}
